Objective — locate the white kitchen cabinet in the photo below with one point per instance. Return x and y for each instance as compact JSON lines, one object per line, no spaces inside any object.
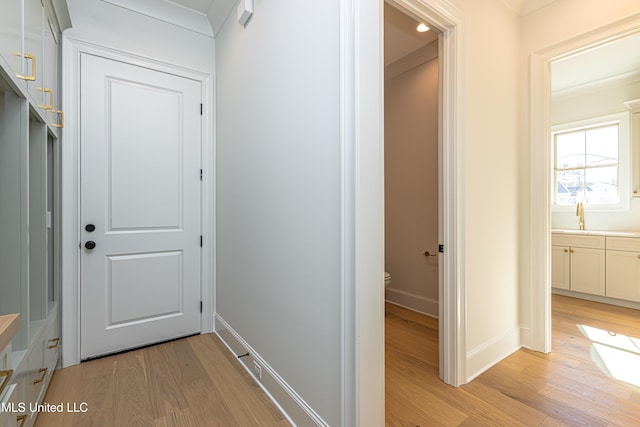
{"x":560,"y":267}
{"x":623,"y":275}
{"x":588,"y":270}
{"x":623,"y":268}
{"x":579,"y":263}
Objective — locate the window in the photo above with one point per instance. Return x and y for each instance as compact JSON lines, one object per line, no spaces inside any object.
{"x":591,"y":163}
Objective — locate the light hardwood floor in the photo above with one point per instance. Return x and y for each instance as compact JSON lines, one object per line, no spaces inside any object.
{"x":571,"y":386}
{"x":197,"y":382}
{"x":190,"y":382}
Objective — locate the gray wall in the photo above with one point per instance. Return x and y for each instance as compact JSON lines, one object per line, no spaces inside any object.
{"x":278,"y":192}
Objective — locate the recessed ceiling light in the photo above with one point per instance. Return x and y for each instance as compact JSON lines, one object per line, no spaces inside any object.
{"x":422,"y":28}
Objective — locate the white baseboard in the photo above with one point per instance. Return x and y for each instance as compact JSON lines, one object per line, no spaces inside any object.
{"x":296,"y":410}
{"x":488,"y":354}
{"x":412,"y":301}
{"x":597,"y":298}
{"x":525,"y":336}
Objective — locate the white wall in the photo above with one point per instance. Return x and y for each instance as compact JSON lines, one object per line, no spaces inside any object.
{"x":278,"y":193}
{"x":558,"y":22}
{"x":491,"y":208}
{"x":411,"y":182}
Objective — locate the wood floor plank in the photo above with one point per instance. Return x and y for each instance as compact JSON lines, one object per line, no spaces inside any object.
{"x":165,"y":386}
{"x":133,"y":404}
{"x":522,"y":412}
{"x":232,"y":382}
{"x":607,"y":415}
{"x":97,"y":386}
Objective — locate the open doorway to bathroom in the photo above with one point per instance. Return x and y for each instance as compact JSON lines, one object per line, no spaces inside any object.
{"x":411,"y":93}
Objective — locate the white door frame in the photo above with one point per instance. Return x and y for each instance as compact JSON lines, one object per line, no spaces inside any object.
{"x":540,"y":167}
{"x":362,"y":97}
{"x":70,"y":209}
{"x":451,"y":287}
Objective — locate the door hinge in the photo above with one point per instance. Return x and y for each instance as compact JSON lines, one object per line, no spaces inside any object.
{"x":441,"y":249}
{"x":200,"y":306}
{"x":200,"y":241}
{"x":201,"y":108}
{"x":200,"y":174}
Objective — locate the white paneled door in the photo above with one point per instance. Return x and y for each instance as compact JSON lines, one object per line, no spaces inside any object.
{"x":140,"y":138}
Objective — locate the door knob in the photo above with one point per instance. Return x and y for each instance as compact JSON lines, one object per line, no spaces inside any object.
{"x":429,"y":254}
{"x":90,"y":244}
{"x":90,"y":228}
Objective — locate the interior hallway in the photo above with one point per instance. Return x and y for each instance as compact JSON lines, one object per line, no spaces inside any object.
{"x":566,"y":387}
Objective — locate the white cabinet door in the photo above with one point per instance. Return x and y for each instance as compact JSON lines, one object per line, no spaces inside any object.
{"x":588,"y":270}
{"x":140,"y":191}
{"x":560,"y":267}
{"x":51,"y":87}
{"x":11,"y":34}
{"x":34,"y":48}
{"x":623,"y":275}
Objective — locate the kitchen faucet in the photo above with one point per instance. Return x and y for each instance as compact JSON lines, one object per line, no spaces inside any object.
{"x":580,"y":213}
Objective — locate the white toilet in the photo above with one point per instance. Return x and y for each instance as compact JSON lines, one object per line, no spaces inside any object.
{"x":387,"y":280}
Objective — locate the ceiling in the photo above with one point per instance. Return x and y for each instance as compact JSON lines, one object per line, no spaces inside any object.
{"x":613,"y":61}
{"x":524,"y":7}
{"x":202,"y":16}
{"x":400,"y":35}
{"x":201,"y":6}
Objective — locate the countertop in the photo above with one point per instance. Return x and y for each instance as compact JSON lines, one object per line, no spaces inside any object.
{"x":629,"y":233}
{"x":8,"y":327}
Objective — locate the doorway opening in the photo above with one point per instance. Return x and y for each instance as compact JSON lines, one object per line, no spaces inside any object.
{"x":411,"y":163}
{"x":595,"y":103}
{"x":412,"y":210}
{"x":446,"y":177}
{"x":547,"y":252}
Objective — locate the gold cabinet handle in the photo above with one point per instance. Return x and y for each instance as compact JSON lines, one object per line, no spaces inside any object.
{"x":21,"y":419}
{"x":32,"y":76}
{"x":42,"y":371}
{"x":61,"y":114}
{"x":571,"y":251}
{"x":427,"y":253}
{"x":5,"y":382}
{"x":50,"y":92}
{"x":638,"y":256}
{"x":566,"y":250}
{"x":54,"y":342}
